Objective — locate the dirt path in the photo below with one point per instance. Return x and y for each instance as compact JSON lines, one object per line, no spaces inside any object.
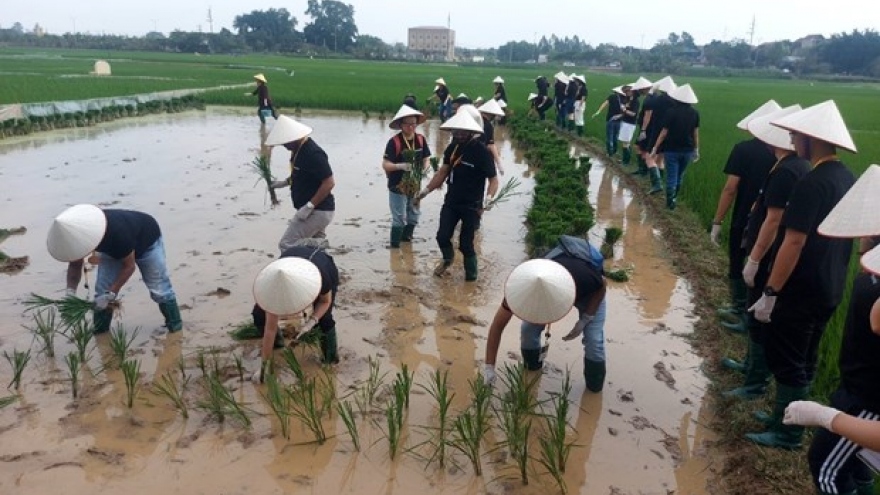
{"x":643,"y":435}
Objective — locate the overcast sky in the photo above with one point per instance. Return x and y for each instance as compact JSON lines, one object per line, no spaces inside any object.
{"x":478,"y":23}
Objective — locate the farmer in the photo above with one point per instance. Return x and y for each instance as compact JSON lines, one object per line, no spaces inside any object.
{"x":760,"y":239}
{"x":747,"y":167}
{"x":580,"y":103}
{"x":679,"y":140}
{"x":656,"y":107}
{"x":615,"y":103}
{"x":628,"y":115}
{"x":500,"y":93}
{"x":809,"y":271}
{"x":444,"y":99}
{"x":120,"y":241}
{"x":264,"y":103}
{"x":304,"y":277}
{"x":560,"y":85}
{"x":488,"y":111}
{"x":640,"y":90}
{"x":467,"y":167}
{"x":397,"y":166}
{"x":310,"y":181}
{"x":571,"y":92}
{"x":542,"y":291}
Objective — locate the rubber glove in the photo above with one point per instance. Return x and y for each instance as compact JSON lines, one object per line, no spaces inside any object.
{"x":809,"y":413}
{"x":715,"y":234}
{"x":763,"y":308}
{"x":305,"y":329}
{"x":696,"y":155}
{"x":405,"y":166}
{"x":487,"y":203}
{"x":579,"y":327}
{"x":489,"y":374}
{"x":305,"y":211}
{"x":104,"y":300}
{"x":749,"y":271}
{"x":643,"y":136}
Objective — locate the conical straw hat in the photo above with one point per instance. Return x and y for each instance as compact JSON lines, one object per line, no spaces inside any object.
{"x":532,"y":96}
{"x":261,"y":77}
{"x":502,"y":104}
{"x":666,"y":85}
{"x":871,"y":261}
{"x":761,"y":128}
{"x":856,"y":214}
{"x":76,"y":232}
{"x":618,"y":90}
{"x":463,"y":121}
{"x":767,"y":108}
{"x":561,"y":77}
{"x":823,"y":122}
{"x":684,"y":94}
{"x":498,"y":80}
{"x":406,"y":111}
{"x":540,"y":291}
{"x":441,"y":81}
{"x":641,"y":83}
{"x":581,"y":78}
{"x":287,"y":285}
{"x":492,"y":108}
{"x":287,"y":130}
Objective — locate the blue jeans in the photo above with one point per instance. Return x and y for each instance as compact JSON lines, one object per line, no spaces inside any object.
{"x":445,"y":110}
{"x":676,"y":164}
{"x":151,"y":263}
{"x":265,"y":113}
{"x":612,"y":132}
{"x":593,"y":338}
{"x":403,"y":211}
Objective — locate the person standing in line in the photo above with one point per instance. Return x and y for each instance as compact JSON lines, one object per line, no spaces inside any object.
{"x":629,"y":112}
{"x":614,"y":103}
{"x":265,"y":109}
{"x":655,"y":114}
{"x":640,"y":89}
{"x":809,"y":271}
{"x":541,"y":102}
{"x":488,"y":111}
{"x":560,"y":85}
{"x":747,"y":167}
{"x":467,"y":168}
{"x":571,"y":92}
{"x":444,"y":99}
{"x":580,"y":103}
{"x":311,"y":182}
{"x":404,"y":213}
{"x":499,"y":93}
{"x":679,"y":140}
{"x":119,"y":241}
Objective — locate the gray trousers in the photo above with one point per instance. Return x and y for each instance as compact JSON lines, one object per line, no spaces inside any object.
{"x":313,"y":226}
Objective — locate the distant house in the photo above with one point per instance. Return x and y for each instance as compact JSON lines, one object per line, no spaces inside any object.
{"x":479,"y":59}
{"x":811,"y":41}
{"x":431,"y":43}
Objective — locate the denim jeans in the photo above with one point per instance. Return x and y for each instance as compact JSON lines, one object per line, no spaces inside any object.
{"x":593,"y":338}
{"x":676,"y":163}
{"x":612,"y":132}
{"x":264,"y":113}
{"x":445,"y":110}
{"x":403,"y":211}
{"x":151,"y":263}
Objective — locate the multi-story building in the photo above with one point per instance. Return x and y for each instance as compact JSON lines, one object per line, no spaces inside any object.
{"x":431,"y":43}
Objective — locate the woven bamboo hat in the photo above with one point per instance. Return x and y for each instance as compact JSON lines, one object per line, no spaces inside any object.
{"x":287,"y":285}
{"x":261,"y":78}
{"x":403,"y":112}
{"x":287,"y":130}
{"x":823,"y":122}
{"x":684,"y":94}
{"x":767,"y":108}
{"x":871,"y":261}
{"x":492,"y":107}
{"x":540,"y":291}
{"x":641,"y":83}
{"x":665,"y":84}
{"x":855,"y":215}
{"x":762,"y":129}
{"x":532,"y":96}
{"x":561,"y":77}
{"x":463,"y":120}
{"x":498,"y":80}
{"x":76,"y":232}
{"x":440,"y":81}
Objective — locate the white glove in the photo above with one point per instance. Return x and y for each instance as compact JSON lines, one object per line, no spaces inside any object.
{"x":278,"y":184}
{"x":696,"y":155}
{"x":68,"y":292}
{"x":489,"y":374}
{"x":643,"y":136}
{"x":305,"y":329}
{"x":750,"y":270}
{"x":809,"y":413}
{"x":487,"y":203}
{"x":258,"y":378}
{"x":715,"y":234}
{"x":424,"y":192}
{"x":595,"y":115}
{"x":763,"y":308}
{"x":405,"y":166}
{"x":579,"y":327}
{"x":305,"y":211}
{"x":104,"y":300}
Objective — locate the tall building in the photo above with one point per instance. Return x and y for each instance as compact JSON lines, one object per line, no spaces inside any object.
{"x":431,"y":43}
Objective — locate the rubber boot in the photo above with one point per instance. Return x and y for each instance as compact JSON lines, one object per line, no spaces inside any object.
{"x":329,"y":347}
{"x":779,"y":435}
{"x":670,"y":198}
{"x":171,"y":312}
{"x":570,"y":126}
{"x":642,"y":166}
{"x":734,"y":365}
{"x":580,"y":130}
{"x":738,"y":301}
{"x":532,"y":359}
{"x":102,"y":319}
{"x":471,"y":268}
{"x":448,"y":256}
{"x":757,"y":375}
{"x":408,"y":231}
{"x":626,"y":156}
{"x":594,"y":375}
{"x":396,"y":235}
{"x":656,"y":183}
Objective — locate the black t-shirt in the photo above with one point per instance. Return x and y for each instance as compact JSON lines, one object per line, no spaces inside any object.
{"x":472,"y":164}
{"x":582,"y":91}
{"x":128,"y":231}
{"x":587,"y":279}
{"x":542,"y":86}
{"x":394,"y":153}
{"x":559,"y":88}
{"x":774,"y":193}
{"x":859,"y":351}
{"x":820,"y":274}
{"x":615,"y":106}
{"x":647,"y":104}
{"x":442,"y":93}
{"x":680,"y":122}
{"x":322,"y":260}
{"x":658,"y":104}
{"x":307,"y":173}
{"x":262,"y":93}
{"x":488,"y":135}
{"x":631,"y":105}
{"x":500,"y":93}
{"x":749,"y":160}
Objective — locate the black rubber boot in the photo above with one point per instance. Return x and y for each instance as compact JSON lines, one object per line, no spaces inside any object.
{"x":594,"y":375}
{"x":471,"y":268}
{"x":329,"y":347}
{"x":757,"y":375}
{"x":446,"y":262}
{"x":102,"y":319}
{"x":396,"y":235}
{"x":532,"y":359}
{"x":408,"y":231}
{"x":670,"y":198}
{"x":779,"y":435}
{"x":580,"y":130}
{"x":656,"y":183}
{"x":642,"y":166}
{"x":171,"y":312}
{"x":626,"y":156}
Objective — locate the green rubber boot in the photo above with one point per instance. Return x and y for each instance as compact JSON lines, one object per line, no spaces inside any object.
{"x":471,"y":268}
{"x":532,"y":359}
{"x":734,"y":365}
{"x":102,"y":319}
{"x":580,"y":130}
{"x":739,"y":295}
{"x":626,"y":156}
{"x":408,"y":231}
{"x":329,"y":347}
{"x":642,"y":166}
{"x":594,"y":375}
{"x":757,"y":375}
{"x":446,"y":262}
{"x":778,"y":435}
{"x":656,"y":182}
{"x":396,"y":235}
{"x":671,"y":198}
{"x":171,"y":312}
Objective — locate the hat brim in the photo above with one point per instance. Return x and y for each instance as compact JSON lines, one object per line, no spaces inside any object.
{"x":287,"y":285}
{"x":287,"y":130}
{"x":871,"y":261}
{"x":855,"y":215}
{"x":404,"y":112}
{"x":540,"y":291}
{"x":76,"y":232}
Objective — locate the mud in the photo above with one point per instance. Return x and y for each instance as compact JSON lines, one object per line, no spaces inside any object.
{"x":642,"y":435}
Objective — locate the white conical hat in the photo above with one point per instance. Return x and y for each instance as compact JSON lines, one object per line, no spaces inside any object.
{"x":261,"y":77}
{"x":440,"y":80}
{"x":502,"y":104}
{"x":406,"y":111}
{"x":666,"y":85}
{"x":641,"y":83}
{"x":823,"y":122}
{"x":761,"y":128}
{"x":478,"y":100}
{"x":532,"y":96}
{"x":561,"y":77}
{"x":287,"y":130}
{"x":871,"y":261}
{"x":767,"y":108}
{"x":618,"y":90}
{"x":76,"y":232}
{"x":463,"y":121}
{"x":492,"y":108}
{"x":498,"y":80}
{"x":856,"y":214}
{"x":287,"y":285}
{"x":684,"y":94}
{"x":580,"y":77}
{"x":540,"y":291}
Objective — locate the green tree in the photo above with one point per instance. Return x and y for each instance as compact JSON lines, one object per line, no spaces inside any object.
{"x":268,"y":30}
{"x":332,"y":25}
{"x":853,"y":53}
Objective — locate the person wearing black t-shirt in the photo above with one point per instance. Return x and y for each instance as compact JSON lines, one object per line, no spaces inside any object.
{"x":444,"y":99}
{"x":656,"y":107}
{"x":264,"y":102}
{"x":628,"y":115}
{"x":311,"y":182}
{"x":808,"y":274}
{"x":560,"y":85}
{"x":120,"y":241}
{"x":679,"y":140}
{"x":467,"y":167}
{"x":614,"y":103}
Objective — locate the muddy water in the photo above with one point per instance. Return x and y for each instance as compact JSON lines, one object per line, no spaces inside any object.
{"x":643,"y":434}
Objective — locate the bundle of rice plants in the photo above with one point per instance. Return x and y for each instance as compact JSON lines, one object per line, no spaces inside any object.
{"x":261,"y":166}
{"x":18,"y":361}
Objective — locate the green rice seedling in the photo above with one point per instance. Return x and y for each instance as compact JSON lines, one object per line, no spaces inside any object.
{"x":245,"y":331}
{"x":394,"y":424}
{"x":505,"y":192}
{"x":293,"y":364}
{"x":521,"y":388}
{"x":612,"y":235}
{"x":18,"y":361}
{"x":435,"y":163}
{"x":80,"y":333}
{"x":72,"y":309}
{"x":366,"y":395}
{"x":328,"y":392}
{"x":347,"y":415}
{"x":263,"y":169}
{"x":516,"y":427}
{"x":402,"y":384}
{"x":556,"y":425}
{"x":73,"y":366}
{"x":45,"y":330}
{"x":411,"y":183}
{"x":120,"y":342}
{"x":221,"y":403}
{"x":202,"y":363}
{"x":439,"y":391}
{"x":472,"y":424}
{"x":238,"y":360}
{"x":618,"y":275}
{"x":308,"y":408}
{"x":131,"y":372}
{"x":548,"y":460}
{"x":280,"y":401}
{"x":181,"y":366}
{"x":6,"y":401}
{"x":168,"y":387}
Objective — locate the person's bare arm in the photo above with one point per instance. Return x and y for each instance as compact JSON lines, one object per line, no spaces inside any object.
{"x":787,"y":258}
{"x":767,"y":234}
{"x":493,"y":187}
{"x":660,"y":139}
{"x":125,"y":273}
{"x":725,"y":200}
{"x":861,"y":431}
{"x":74,"y":274}
{"x":875,"y":317}
{"x":321,"y":306}
{"x":269,"y":331}
{"x":323,"y":190}
{"x":499,"y":323}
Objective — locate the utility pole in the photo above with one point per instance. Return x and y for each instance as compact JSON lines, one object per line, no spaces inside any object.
{"x":210,"y":21}
{"x":752,"y":32}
